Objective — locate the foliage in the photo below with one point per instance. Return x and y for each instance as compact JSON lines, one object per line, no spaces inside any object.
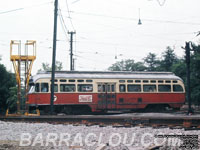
{"x":46,"y":66}
{"x":152,"y":62}
{"x":169,"y":58}
{"x":12,"y":99}
{"x":168,"y":62}
{"x":127,"y":65}
{"x":195,"y":74}
{"x":7,"y":81}
{"x":179,"y":68}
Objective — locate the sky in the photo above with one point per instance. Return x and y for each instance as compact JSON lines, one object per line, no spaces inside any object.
{"x":107,"y":31}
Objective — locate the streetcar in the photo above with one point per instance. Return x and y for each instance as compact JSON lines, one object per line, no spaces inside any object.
{"x":102,"y":91}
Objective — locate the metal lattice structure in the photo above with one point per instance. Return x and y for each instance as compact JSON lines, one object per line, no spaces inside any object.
{"x":22,"y":63}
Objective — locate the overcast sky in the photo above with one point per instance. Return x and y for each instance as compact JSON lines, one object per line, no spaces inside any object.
{"x":104,"y":29}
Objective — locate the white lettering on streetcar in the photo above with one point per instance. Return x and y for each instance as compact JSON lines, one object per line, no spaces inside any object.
{"x":85,"y":98}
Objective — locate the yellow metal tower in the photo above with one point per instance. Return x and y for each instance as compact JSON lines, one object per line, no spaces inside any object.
{"x":22,"y":63}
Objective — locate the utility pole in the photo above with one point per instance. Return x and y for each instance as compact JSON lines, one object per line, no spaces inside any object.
{"x":54,"y":56}
{"x":73,"y":66}
{"x":187,"y":51}
{"x":71,"y":50}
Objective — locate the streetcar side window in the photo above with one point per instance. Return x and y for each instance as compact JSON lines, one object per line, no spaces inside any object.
{"x":85,"y":87}
{"x":80,"y":80}
{"x":164,"y":88}
{"x":153,"y":81}
{"x":37,"y":87}
{"x":149,"y":88}
{"x":106,"y":88}
{"x":177,"y":88}
{"x":101,"y":88}
{"x":44,"y":87}
{"x":113,"y":88}
{"x":122,"y":81}
{"x":122,"y":88}
{"x":63,"y":80}
{"x":67,"y":88}
{"x":55,"y":80}
{"x":137,"y":81}
{"x":134,"y":88}
{"x":110,"y":88}
{"x":130,"y":81}
{"x":89,"y":80}
{"x":72,"y":80}
{"x":167,"y":81}
{"x":55,"y":87}
{"x":145,"y":81}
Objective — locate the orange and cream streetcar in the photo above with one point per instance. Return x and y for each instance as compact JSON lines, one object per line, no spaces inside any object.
{"x":88,"y":91}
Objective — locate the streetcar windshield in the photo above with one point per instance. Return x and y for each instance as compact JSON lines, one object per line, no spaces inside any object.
{"x":32,"y":89}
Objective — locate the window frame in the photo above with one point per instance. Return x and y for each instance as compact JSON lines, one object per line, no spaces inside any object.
{"x":37,"y":88}
{"x":86,"y":91}
{"x":71,"y":80}
{"x":56,"y":91}
{"x":124,"y":85}
{"x":179,"y":86}
{"x":134,"y":85}
{"x":64,"y":91}
{"x":63,"y":80}
{"x":165,"y":91}
{"x":41,"y":88}
{"x":153,"y":90}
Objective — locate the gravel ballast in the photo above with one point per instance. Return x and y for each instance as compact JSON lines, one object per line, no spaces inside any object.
{"x":48,"y":136}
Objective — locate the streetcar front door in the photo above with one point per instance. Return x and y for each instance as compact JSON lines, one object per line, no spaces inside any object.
{"x":106,"y":96}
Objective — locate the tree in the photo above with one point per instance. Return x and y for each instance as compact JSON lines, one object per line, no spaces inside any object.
{"x":195,"y":74}
{"x":152,"y":62}
{"x":179,"y":68}
{"x":46,"y":66}
{"x":12,"y":99}
{"x":7,"y":81}
{"x":127,"y":65}
{"x":58,"y":66}
{"x":169,"y":58}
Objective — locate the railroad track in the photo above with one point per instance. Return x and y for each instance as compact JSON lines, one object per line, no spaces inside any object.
{"x":177,"y":121}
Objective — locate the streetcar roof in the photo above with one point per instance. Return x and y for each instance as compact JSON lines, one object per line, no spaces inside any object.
{"x":106,"y":75}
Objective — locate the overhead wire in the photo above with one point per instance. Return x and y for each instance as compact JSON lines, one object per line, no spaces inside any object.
{"x":93,"y":60}
{"x":22,"y":8}
{"x":64,"y":27}
{"x":127,"y":18}
{"x":75,"y":1}
{"x":13,"y":10}
{"x":69,"y":15}
{"x":161,"y":3}
{"x":114,"y":17}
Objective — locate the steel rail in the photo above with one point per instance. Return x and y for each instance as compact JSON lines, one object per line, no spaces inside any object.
{"x":187,"y":122}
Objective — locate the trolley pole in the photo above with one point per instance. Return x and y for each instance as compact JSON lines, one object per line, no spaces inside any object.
{"x":187,"y":51}
{"x":71,"y":50}
{"x":54,"y":56}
